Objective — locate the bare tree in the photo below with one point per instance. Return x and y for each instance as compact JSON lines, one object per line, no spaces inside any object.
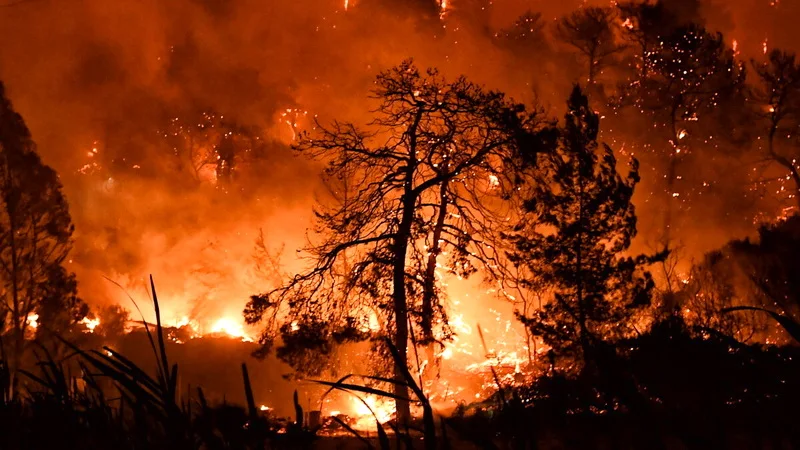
{"x":437,"y":157}
{"x":716,"y":283}
{"x":591,"y":32}
{"x":778,"y":99}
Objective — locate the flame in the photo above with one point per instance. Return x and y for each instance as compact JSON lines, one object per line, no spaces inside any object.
{"x":90,"y":324}
{"x":628,"y":23}
{"x":231,"y":327}
{"x":376,"y":408}
{"x":33,"y":320}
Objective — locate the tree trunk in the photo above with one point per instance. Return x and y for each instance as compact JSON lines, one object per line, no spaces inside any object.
{"x":18,"y":331}
{"x":400,"y":244}
{"x":401,"y":309}
{"x":429,"y":294}
{"x":671,"y":173}
{"x":592,"y":60}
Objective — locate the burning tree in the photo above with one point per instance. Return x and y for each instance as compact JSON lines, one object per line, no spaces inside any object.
{"x":577,"y":224}
{"x":690,"y":73}
{"x":209,"y":146}
{"x":778,"y":98}
{"x":420,"y":184}
{"x":590,"y":31}
{"x":645,"y":23}
{"x":35,"y":235}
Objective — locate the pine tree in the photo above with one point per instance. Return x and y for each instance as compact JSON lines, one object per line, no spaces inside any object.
{"x":590,"y":31}
{"x":577,"y":225}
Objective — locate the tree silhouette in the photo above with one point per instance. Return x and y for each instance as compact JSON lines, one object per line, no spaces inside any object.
{"x":35,"y":233}
{"x":778,"y":103}
{"x":645,"y":23}
{"x":690,"y":73}
{"x":420,"y":185}
{"x":770,"y":264}
{"x":590,"y":31}
{"x":577,"y":226}
{"x":60,"y":310}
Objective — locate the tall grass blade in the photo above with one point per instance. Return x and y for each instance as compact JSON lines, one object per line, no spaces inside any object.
{"x":160,"y":334}
{"x":248,"y":393}
{"x":352,"y":431}
{"x":298,"y":411}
